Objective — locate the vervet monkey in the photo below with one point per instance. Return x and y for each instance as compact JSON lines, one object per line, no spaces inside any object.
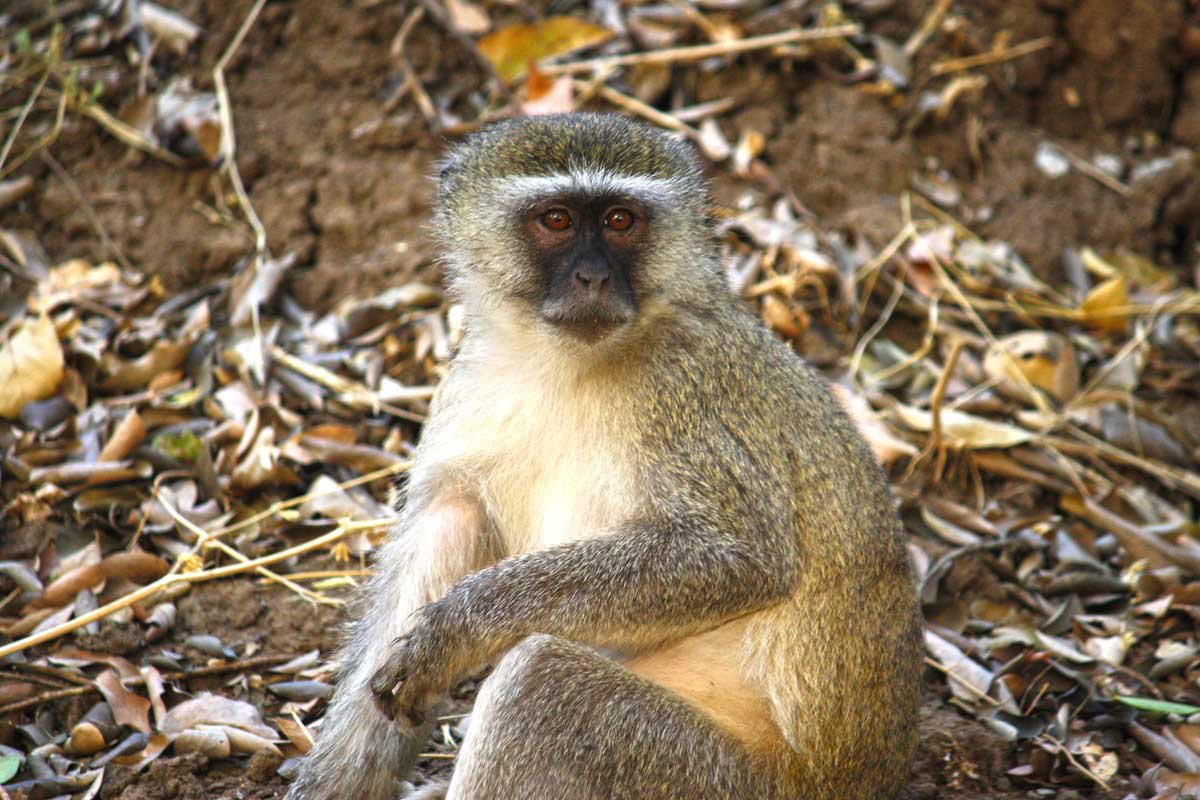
{"x":633,"y":500}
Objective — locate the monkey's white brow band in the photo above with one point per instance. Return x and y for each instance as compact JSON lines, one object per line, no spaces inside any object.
{"x":524,"y":188}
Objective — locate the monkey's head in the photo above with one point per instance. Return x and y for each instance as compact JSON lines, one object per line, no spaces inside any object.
{"x":578,"y":227}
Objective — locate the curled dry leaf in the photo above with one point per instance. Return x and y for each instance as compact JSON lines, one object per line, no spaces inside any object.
{"x":1101,"y":304}
{"x":1045,"y":359}
{"x":296,"y":733}
{"x":749,"y":147}
{"x":969,"y":680}
{"x":211,"y":741}
{"x":127,"y":708}
{"x":31,"y":365}
{"x":137,"y":566}
{"x":241,"y":741}
{"x":73,"y":280}
{"x":713,"y":142}
{"x":125,"y":376}
{"x":129,"y":433}
{"x":208,"y":708}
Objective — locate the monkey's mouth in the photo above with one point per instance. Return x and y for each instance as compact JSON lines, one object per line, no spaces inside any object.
{"x":587,"y":322}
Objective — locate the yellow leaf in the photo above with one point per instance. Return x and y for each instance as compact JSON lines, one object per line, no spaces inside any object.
{"x":511,"y":49}
{"x":1102,"y":301}
{"x":31,"y":365}
{"x":70,"y":280}
{"x":1047,"y":360}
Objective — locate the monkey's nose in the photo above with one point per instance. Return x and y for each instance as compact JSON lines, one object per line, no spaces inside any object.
{"x":592,"y":278}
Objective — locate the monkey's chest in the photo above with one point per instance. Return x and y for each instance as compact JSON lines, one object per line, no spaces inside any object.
{"x":561,"y":497}
{"x":549,"y":462}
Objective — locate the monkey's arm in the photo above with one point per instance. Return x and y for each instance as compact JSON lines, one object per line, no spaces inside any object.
{"x":640,"y":586}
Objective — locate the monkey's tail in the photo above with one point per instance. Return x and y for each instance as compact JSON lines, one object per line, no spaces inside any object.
{"x":359,"y":753}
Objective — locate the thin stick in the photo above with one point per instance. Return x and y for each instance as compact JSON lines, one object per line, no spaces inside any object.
{"x":939,"y":395}
{"x":1060,"y":747}
{"x":25,"y":109}
{"x":275,"y":508}
{"x":946,"y":670}
{"x":861,"y":348}
{"x":702,"y":51}
{"x":43,"y":141}
{"x":424,"y":103}
{"x":635,"y":106}
{"x":442,"y":18}
{"x":927,"y":27}
{"x":1095,"y":173}
{"x":994,"y":57}
{"x":186,"y":577}
{"x":129,"y":134}
{"x":204,"y":540}
{"x":228,"y":141}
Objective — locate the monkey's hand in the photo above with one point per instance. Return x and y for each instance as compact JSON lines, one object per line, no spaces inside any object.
{"x":420,"y":669}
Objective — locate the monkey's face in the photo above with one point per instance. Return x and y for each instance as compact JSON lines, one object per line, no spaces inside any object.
{"x":577,"y":229}
{"x":584,"y":257}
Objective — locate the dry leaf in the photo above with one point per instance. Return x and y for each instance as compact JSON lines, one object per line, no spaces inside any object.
{"x":71,"y":280}
{"x":214,"y":709}
{"x":749,"y":147}
{"x":125,"y":376}
{"x":128,"y":434}
{"x":969,"y":681}
{"x":511,"y":49}
{"x":138,"y":566}
{"x":128,"y":708}
{"x":965,"y":430}
{"x":31,"y":365}
{"x":296,"y":733}
{"x":886,"y":445}
{"x":1101,"y":301}
{"x":1047,"y":360}
{"x":547,"y":95}
{"x":211,"y":741}
{"x":713,"y":142}
{"x":468,"y":17}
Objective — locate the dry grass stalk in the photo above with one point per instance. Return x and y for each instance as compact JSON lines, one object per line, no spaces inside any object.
{"x":228,"y":141}
{"x":204,"y":540}
{"x":994,"y":57}
{"x":635,"y":106}
{"x":188,"y":577}
{"x":702,"y":51}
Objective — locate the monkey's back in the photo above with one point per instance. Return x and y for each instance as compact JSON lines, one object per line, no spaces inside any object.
{"x":840,"y":662}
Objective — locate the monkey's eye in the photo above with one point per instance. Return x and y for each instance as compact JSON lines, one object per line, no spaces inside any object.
{"x":557,"y":219}
{"x":619,"y":219}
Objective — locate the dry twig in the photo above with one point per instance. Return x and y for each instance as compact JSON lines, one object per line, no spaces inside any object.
{"x":702,"y":51}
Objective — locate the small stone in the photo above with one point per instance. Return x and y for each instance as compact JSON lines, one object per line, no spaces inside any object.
{"x":1051,"y":161}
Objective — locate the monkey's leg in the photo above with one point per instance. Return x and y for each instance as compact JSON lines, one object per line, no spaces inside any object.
{"x":558,"y":720}
{"x":359,"y":753}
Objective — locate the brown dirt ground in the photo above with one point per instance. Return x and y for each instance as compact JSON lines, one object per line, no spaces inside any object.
{"x":346,"y":189}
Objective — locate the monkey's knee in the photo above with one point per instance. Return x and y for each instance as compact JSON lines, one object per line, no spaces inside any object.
{"x":534,"y":667}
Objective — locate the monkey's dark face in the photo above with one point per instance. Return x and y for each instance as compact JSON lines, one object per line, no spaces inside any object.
{"x":585,"y":252}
